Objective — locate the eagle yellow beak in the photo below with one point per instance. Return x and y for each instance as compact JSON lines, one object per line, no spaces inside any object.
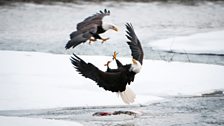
{"x":134,"y":61}
{"x":107,"y":64}
{"x":115,"y":29}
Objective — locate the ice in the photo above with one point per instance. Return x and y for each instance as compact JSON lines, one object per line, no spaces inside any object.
{"x":38,"y":80}
{"x":22,"y":121}
{"x":207,"y":43}
{"x":32,"y":80}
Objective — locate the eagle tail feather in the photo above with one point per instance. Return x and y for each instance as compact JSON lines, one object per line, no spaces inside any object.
{"x":127,"y":96}
{"x":73,"y":43}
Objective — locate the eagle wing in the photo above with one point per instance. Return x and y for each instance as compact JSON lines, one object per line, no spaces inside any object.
{"x":95,"y":19}
{"x":80,"y":36}
{"x":107,"y":80}
{"x":134,"y":43}
{"x":87,"y":70}
{"x":86,"y":29}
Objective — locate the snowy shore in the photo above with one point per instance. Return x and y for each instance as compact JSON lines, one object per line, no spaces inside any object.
{"x":32,"y":80}
{"x":21,"y":121}
{"x":206,"y":43}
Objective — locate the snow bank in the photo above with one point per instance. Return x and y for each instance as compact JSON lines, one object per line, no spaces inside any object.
{"x":176,"y":78}
{"x":209,"y":43}
{"x":21,"y":121}
{"x":39,"y":80}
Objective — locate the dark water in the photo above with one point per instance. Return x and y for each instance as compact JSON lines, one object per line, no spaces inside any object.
{"x":191,"y":111}
{"x":46,"y":27}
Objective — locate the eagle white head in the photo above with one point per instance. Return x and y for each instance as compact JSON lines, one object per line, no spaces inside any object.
{"x":135,"y":66}
{"x":109,"y":26}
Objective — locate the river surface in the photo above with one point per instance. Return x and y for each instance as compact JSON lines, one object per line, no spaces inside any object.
{"x":46,"y":27}
{"x":174,"y":111}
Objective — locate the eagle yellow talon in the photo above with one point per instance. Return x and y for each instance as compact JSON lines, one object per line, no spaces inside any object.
{"x":91,"y":40}
{"x":104,"y":39}
{"x":115,"y":55}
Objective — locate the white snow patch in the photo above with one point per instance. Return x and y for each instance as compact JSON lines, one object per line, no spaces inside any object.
{"x":32,"y":80}
{"x":21,"y":121}
{"x":39,"y":80}
{"x":211,"y":42}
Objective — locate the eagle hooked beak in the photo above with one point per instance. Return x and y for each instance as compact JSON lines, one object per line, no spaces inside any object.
{"x":134,"y":61}
{"x":115,"y":29}
{"x":107,"y":64}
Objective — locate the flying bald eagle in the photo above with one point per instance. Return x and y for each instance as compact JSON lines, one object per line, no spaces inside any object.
{"x":115,"y":80}
{"x":89,"y":29}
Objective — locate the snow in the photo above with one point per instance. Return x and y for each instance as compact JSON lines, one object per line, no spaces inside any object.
{"x":21,"y":121}
{"x":39,"y":80}
{"x":175,"y":78}
{"x":32,"y":80}
{"x":210,"y":43}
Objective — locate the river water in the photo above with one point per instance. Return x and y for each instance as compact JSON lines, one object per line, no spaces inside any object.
{"x":46,"y":27}
{"x":175,"y":111}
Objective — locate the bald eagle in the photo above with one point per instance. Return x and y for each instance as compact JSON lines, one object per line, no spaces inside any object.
{"x":115,"y":80}
{"x":89,"y":29}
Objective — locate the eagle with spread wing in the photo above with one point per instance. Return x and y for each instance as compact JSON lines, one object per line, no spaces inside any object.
{"x":89,"y":29}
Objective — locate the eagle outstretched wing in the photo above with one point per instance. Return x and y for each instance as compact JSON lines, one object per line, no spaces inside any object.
{"x":95,"y":19}
{"x":80,"y":36}
{"x":87,"y":70}
{"x":107,"y":80}
{"x":134,"y":43}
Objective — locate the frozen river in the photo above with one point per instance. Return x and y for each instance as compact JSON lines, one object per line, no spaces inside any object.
{"x":46,"y":27}
{"x":190,"y":111}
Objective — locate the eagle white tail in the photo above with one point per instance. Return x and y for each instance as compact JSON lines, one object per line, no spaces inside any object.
{"x":127,"y":96}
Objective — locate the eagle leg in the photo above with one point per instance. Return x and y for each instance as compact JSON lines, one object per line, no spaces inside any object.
{"x":115,"y":55}
{"x":104,"y":39}
{"x":91,"y":40}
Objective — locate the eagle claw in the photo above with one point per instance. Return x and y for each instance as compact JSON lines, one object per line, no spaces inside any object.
{"x":91,"y":40}
{"x":104,"y":39}
{"x":115,"y":55}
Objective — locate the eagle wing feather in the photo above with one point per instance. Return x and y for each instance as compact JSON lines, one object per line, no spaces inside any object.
{"x":134,"y":44}
{"x":107,"y":80}
{"x":95,"y":19}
